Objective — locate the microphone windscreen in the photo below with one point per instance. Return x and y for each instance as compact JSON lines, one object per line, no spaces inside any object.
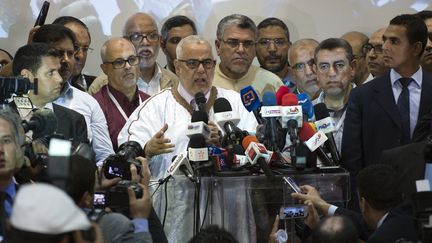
{"x":269,"y":99}
{"x":197,"y":141}
{"x":199,"y":116}
{"x":247,"y":140}
{"x":283,"y":90}
{"x":306,"y":132}
{"x":200,"y":98}
{"x":250,"y":98}
{"x":289,"y":99}
{"x":221,"y":105}
{"x":321,"y":111}
{"x":238,"y":149}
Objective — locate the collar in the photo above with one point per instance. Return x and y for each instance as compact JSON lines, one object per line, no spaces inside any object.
{"x":417,"y":77}
{"x":380,"y":222}
{"x":11,"y":189}
{"x":186,"y":96}
{"x":321,"y":97}
{"x":120,"y":96}
{"x":219,"y":71}
{"x":156,"y":75}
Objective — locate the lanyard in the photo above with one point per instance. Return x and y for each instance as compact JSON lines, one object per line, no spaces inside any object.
{"x":113,"y":99}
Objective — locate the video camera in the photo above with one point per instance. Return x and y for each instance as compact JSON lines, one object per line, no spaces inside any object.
{"x":15,"y":85}
{"x":118,"y":165}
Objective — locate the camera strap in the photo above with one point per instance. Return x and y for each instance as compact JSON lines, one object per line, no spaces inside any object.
{"x":119,"y":108}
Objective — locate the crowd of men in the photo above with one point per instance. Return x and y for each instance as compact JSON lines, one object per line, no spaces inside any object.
{"x":377,"y":90}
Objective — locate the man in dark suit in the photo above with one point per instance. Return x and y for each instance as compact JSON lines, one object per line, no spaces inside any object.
{"x":383,"y":113}
{"x":384,"y":217}
{"x":38,"y":61}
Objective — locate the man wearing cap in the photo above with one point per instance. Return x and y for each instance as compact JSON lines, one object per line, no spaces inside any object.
{"x":11,"y":160}
{"x":44,"y":213}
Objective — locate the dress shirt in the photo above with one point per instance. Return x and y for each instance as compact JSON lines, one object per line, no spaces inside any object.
{"x":153,"y":86}
{"x":97,"y":127}
{"x":10,"y":195}
{"x":414,"y":93}
{"x":112,"y":113}
{"x":189,"y":98}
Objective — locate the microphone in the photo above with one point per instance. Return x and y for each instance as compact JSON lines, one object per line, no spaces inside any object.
{"x":199,"y":125}
{"x":251,"y":102}
{"x":43,"y":123}
{"x":257,"y":153}
{"x":270,"y":111}
{"x":283,"y":90}
{"x":181,"y":163}
{"x":307,"y":107}
{"x":239,"y":158}
{"x":198,"y":152}
{"x":307,"y":134}
{"x":227,"y":120}
{"x":201,"y":100}
{"x":325,"y":123}
{"x":291,"y":111}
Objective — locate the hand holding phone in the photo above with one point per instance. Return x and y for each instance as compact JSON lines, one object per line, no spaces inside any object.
{"x":293,"y":212}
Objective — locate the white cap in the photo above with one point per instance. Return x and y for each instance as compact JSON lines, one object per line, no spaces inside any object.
{"x":45,"y":209}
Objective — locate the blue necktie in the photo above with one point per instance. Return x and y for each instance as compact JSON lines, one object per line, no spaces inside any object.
{"x":403,"y":104}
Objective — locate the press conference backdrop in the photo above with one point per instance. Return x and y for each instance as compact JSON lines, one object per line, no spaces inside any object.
{"x":305,"y":18}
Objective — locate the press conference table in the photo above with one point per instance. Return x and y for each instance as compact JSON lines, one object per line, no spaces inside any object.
{"x":246,"y":206}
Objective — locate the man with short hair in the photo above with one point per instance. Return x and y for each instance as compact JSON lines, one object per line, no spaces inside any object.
{"x":141,"y":29}
{"x":235,"y":44}
{"x":301,"y":59}
{"x":426,"y":61}
{"x":5,"y":58}
{"x":383,"y":113}
{"x":357,"y":40}
{"x":121,"y":96}
{"x":335,"y":67}
{"x":272,"y":49}
{"x":83,"y":40}
{"x":335,"y":229}
{"x":380,"y":204}
{"x":374,"y":54}
{"x":63,"y":39}
{"x":172,"y":32}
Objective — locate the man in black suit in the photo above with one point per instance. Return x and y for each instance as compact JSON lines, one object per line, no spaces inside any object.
{"x":382,"y":210}
{"x":38,"y":61}
{"x":383,"y":113}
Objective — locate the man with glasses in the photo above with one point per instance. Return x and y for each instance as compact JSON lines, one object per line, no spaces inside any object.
{"x":357,"y":40}
{"x":121,"y":96}
{"x":335,"y":68}
{"x":173,"y":30}
{"x":141,"y":29}
{"x":83,"y":41}
{"x":235,"y":44}
{"x":374,"y":54}
{"x":63,"y":40}
{"x":272,"y":49}
{"x":301,"y":59}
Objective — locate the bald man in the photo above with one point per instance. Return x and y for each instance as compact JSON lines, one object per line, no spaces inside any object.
{"x":121,"y":96}
{"x":357,"y":40}
{"x":374,"y":53}
{"x":141,"y":29}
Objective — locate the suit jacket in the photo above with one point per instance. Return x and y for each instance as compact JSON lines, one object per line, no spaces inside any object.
{"x":78,"y":79}
{"x":372,"y":123}
{"x":399,"y":223}
{"x":409,"y":163}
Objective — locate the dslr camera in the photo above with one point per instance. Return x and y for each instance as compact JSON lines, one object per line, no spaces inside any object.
{"x":117,"y":197}
{"x":118,"y":165}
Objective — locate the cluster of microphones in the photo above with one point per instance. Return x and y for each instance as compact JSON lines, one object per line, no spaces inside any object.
{"x":292,"y":135}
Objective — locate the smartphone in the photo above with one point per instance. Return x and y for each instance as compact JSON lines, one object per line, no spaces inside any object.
{"x":99,"y":200}
{"x":293,"y":185}
{"x":293,"y":212}
{"x":42,"y":14}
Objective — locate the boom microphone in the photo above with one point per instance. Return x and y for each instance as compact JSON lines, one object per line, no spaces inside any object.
{"x":43,"y":123}
{"x":325,"y":123}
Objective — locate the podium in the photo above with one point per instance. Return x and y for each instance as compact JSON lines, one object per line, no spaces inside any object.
{"x":246,"y":206}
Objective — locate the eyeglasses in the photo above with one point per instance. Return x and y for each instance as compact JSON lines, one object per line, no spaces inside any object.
{"x":121,"y":63}
{"x":194,"y":63}
{"x":277,"y":42}
{"x":138,"y":37}
{"x":84,"y":49}
{"x":301,"y":66}
{"x":325,"y":67}
{"x":368,"y":47}
{"x":234,"y":43}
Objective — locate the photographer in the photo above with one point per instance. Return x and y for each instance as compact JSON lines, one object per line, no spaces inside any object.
{"x":115,"y":226}
{"x":11,"y":160}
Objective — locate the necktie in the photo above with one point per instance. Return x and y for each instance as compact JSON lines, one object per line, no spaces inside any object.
{"x":404,"y":110}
